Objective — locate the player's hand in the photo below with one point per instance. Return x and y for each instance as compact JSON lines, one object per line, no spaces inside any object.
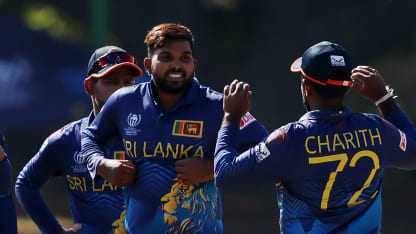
{"x":73,"y":229}
{"x":117,"y":172}
{"x":237,"y":101}
{"x":192,"y":170}
{"x":368,"y":82}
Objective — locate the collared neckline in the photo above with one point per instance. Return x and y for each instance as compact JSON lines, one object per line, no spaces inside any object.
{"x":190,"y":97}
{"x":91,"y":117}
{"x":327,"y":115}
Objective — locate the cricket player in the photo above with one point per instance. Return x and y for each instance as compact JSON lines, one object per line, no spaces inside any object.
{"x":96,"y":205}
{"x":329,"y":164}
{"x":172,"y":117}
{"x":8,"y":223}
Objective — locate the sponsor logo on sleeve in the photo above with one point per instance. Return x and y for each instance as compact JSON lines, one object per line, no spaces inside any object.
{"x":246,"y":120}
{"x":337,"y":61}
{"x":261,"y":151}
{"x":403,"y":141}
{"x":133,"y":121}
{"x":188,"y":128}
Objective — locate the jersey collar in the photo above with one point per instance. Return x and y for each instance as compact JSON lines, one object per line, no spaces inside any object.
{"x":91,"y":117}
{"x":327,"y":115}
{"x":191,"y":97}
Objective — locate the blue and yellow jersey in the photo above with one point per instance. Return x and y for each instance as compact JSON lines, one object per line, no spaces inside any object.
{"x":96,"y":204}
{"x":154,"y":139}
{"x":8,"y":222}
{"x":328,"y":167}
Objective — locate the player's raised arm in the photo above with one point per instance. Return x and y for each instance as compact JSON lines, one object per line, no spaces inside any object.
{"x":230,"y":166}
{"x":370,"y":84}
{"x":250,"y":132}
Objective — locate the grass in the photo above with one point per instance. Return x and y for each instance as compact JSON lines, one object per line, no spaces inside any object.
{"x":25,"y":225}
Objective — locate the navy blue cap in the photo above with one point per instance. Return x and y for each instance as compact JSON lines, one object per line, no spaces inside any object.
{"x":323,"y":59}
{"x":98,"y":72}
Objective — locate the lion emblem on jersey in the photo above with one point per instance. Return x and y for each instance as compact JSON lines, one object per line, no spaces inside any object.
{"x":118,"y":225}
{"x":188,"y":208}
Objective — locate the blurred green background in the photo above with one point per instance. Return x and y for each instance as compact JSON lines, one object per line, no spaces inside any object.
{"x":46,"y":47}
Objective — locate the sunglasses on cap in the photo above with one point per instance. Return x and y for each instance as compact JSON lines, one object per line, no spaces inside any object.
{"x":111,"y":59}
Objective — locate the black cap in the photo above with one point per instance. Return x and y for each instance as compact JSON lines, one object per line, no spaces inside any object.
{"x":98,"y":72}
{"x":323,"y":59}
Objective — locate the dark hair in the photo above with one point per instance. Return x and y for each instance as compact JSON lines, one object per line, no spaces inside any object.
{"x":161,"y":34}
{"x":332,"y":91}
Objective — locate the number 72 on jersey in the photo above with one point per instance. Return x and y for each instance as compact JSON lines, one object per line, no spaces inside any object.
{"x":343,"y":160}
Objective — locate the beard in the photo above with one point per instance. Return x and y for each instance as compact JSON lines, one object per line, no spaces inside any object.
{"x":172,"y":87}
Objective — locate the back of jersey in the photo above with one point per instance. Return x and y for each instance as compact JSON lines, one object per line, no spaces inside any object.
{"x":337,"y":161}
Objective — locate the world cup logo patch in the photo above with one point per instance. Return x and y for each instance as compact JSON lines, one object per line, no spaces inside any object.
{"x":80,"y":164}
{"x":133,"y":120}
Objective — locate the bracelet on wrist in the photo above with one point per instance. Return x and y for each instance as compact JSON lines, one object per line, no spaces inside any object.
{"x":387,"y":96}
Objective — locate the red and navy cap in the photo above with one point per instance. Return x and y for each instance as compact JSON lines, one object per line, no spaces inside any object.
{"x":323,"y":59}
{"x":109,"y":58}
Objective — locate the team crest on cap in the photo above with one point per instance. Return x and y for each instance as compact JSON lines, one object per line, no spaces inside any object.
{"x":133,"y":120}
{"x":188,"y":128}
{"x":337,"y":61}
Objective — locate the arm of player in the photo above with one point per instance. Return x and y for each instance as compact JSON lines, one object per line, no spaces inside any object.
{"x":103,"y":129}
{"x":265,"y":162}
{"x":399,"y":150}
{"x":251,"y":132}
{"x":191,"y":171}
{"x":370,"y":84}
{"x":29,"y":181}
{"x":255,"y":163}
{"x":5,"y":173}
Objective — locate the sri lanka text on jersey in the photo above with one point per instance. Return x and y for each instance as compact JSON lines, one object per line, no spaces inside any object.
{"x":164,"y":150}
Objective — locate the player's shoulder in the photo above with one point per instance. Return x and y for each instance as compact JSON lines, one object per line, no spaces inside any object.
{"x":68,"y":133}
{"x":208,"y":93}
{"x":128,"y":94}
{"x":369,"y":119}
{"x":131,"y":90}
{"x":210,"y":98}
{"x":284,"y":130}
{"x":293,"y":131}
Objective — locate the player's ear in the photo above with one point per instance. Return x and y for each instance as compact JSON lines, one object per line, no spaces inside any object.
{"x":147,"y":63}
{"x":88,"y":86}
{"x":195,"y":67}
